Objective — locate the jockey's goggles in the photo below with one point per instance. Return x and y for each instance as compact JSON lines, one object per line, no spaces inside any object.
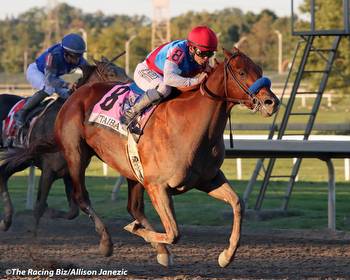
{"x":204,"y":54}
{"x":73,"y":55}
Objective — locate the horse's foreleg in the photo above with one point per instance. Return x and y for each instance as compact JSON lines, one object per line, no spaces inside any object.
{"x":82,"y":197}
{"x":106,"y":245}
{"x":78,"y":156}
{"x":46,"y":180}
{"x":73,"y":207}
{"x":6,"y":221}
{"x":5,"y":174}
{"x":162,"y":203}
{"x":73,"y":211}
{"x":221,"y":189}
{"x":136,"y":209}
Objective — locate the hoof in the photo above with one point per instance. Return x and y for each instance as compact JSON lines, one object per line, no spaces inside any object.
{"x":132,"y":226}
{"x":106,"y":250}
{"x":165,"y":259}
{"x":72,"y":215}
{"x":35,"y":232}
{"x":55,"y":214}
{"x":58,"y":214}
{"x":5,"y":225}
{"x":223,"y":260}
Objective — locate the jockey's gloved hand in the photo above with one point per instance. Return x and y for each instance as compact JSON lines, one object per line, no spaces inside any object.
{"x":66,"y":85}
{"x":73,"y":87}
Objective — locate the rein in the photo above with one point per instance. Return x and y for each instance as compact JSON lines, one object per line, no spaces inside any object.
{"x":251,"y":93}
{"x":206,"y":91}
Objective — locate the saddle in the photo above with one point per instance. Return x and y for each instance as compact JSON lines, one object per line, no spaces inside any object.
{"x":13,"y":136}
{"x":108,"y":111}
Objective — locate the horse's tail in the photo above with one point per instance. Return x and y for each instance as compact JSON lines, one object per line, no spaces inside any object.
{"x":13,"y":158}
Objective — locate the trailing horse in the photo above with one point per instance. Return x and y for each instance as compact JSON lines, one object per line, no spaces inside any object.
{"x":52,"y":165}
{"x":7,"y":101}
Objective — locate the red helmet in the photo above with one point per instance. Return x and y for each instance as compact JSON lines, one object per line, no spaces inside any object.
{"x":203,"y":38}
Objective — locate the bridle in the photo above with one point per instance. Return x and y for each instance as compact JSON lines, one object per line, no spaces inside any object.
{"x":251,"y":94}
{"x":228,"y":70}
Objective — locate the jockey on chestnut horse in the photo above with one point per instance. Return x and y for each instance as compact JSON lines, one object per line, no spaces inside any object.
{"x":182,"y":143}
{"x":181,"y":147}
{"x":175,"y":64}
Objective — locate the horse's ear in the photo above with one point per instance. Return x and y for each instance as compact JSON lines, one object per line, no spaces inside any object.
{"x":104,"y":59}
{"x":227,"y":53}
{"x":234,"y":49}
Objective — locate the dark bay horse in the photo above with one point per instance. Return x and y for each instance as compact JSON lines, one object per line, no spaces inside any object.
{"x":53,"y":165}
{"x":187,"y":132}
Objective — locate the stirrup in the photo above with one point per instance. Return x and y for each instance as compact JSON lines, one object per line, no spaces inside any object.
{"x":127,"y":119}
{"x":132,"y":125}
{"x":135,"y":129}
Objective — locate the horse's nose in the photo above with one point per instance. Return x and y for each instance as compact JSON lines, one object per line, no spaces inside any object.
{"x":271,"y":102}
{"x":268,"y":102}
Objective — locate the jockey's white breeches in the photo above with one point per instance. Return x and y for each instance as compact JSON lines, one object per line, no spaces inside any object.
{"x":147,"y":79}
{"x":37,"y":79}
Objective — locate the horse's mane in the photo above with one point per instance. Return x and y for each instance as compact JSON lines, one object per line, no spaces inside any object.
{"x":87,"y":71}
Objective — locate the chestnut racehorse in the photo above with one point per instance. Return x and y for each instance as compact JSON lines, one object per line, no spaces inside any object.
{"x":182,"y":148}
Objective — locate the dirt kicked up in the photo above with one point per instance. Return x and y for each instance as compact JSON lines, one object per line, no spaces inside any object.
{"x":63,"y":247}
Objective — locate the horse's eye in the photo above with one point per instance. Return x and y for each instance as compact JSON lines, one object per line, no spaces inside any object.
{"x":241,"y":73}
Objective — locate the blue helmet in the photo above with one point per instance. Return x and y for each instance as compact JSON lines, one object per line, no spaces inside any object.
{"x":74,"y":43}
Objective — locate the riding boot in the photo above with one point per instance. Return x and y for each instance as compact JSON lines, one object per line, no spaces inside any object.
{"x":150,"y":96}
{"x":32,"y":102}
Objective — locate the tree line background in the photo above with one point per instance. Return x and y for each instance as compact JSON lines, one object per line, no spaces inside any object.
{"x":107,"y":35}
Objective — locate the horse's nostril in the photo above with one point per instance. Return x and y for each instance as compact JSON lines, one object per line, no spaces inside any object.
{"x":268,"y":102}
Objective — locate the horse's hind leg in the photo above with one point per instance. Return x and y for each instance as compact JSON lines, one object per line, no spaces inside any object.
{"x":220,"y":189}
{"x":136,"y":209}
{"x":78,"y":154}
{"x":6,"y":221}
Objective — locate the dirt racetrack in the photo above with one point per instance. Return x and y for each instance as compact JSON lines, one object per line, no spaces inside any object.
{"x":263,"y":255}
